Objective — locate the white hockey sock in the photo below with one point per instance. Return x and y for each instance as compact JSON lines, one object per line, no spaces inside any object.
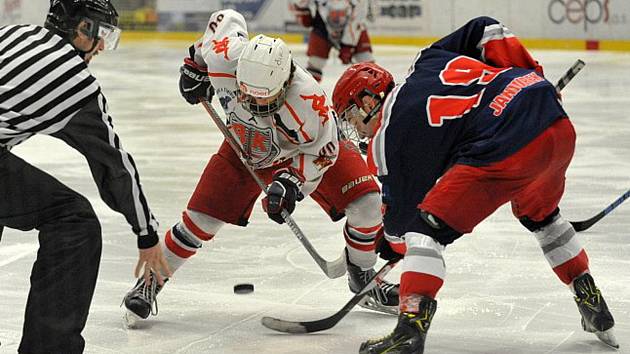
{"x":174,"y":261}
{"x":424,"y":256}
{"x":184,"y":239}
{"x":179,"y":246}
{"x":360,"y":245}
{"x":362,"y":224}
{"x":563,"y":250}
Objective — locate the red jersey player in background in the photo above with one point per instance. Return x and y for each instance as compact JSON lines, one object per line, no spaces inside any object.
{"x":338,"y":24}
{"x":286,"y":124}
{"x":474,"y":125}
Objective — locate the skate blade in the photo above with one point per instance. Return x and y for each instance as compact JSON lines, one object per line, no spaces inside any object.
{"x":608,"y":337}
{"x":370,"y":304}
{"x":131,"y":320}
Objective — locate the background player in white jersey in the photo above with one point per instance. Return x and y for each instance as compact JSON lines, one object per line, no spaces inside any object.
{"x":46,"y":88}
{"x":286,"y":124}
{"x":339,"y":24}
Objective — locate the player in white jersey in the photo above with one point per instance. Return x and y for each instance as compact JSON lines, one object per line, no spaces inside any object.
{"x":339,"y":24}
{"x":287,"y":126}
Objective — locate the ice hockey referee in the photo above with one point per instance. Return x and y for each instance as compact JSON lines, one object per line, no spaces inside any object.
{"x":45,"y":88}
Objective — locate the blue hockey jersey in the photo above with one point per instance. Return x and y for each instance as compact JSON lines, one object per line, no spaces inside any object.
{"x":474,"y":97}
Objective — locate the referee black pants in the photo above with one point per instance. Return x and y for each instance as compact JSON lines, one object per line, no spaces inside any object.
{"x":64,"y":275}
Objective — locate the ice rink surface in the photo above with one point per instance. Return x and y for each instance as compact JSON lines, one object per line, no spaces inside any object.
{"x":500,"y":295}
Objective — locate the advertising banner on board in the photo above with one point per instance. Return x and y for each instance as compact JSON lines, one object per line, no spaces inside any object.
{"x":571,"y":19}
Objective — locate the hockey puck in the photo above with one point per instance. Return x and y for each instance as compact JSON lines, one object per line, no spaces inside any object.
{"x":243,"y":288}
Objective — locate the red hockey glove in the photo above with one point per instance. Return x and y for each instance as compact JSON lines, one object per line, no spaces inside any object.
{"x":303,"y":16}
{"x":282,"y":193}
{"x":345,"y":54}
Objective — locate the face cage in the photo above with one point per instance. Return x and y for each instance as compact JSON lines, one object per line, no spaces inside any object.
{"x":261,"y":110}
{"x":97,"y":30}
{"x":355,"y":114}
{"x":349,"y":132}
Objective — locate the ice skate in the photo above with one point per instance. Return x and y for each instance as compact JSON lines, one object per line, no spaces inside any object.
{"x":596,"y":318}
{"x":409,"y":335}
{"x":140,"y":301}
{"x":383,"y":298}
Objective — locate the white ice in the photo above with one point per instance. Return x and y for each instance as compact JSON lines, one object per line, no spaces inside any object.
{"x":500,"y":295}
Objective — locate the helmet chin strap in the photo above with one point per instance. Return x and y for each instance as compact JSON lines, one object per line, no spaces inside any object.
{"x":83,"y":53}
{"x":94,"y":44}
{"x":372,"y":113}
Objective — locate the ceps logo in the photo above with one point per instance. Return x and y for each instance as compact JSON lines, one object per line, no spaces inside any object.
{"x":586,"y":12}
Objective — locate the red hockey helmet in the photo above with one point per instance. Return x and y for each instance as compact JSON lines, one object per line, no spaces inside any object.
{"x":357,"y":82}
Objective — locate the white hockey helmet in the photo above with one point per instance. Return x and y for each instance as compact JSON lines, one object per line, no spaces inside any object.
{"x":263,"y":74}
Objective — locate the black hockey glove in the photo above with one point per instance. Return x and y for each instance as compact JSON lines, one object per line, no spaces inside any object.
{"x":384,"y":249}
{"x":282,"y":193}
{"x":194,"y":83}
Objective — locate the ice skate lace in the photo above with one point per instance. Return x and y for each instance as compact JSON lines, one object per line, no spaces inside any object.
{"x":382,"y":290}
{"x":148,"y":293}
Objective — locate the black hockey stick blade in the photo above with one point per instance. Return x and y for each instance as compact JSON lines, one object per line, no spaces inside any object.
{"x":569,"y":75}
{"x":311,"y":326}
{"x":296,"y":327}
{"x":585,"y":224}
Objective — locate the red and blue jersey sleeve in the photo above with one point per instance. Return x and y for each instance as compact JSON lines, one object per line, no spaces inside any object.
{"x":487,"y":40}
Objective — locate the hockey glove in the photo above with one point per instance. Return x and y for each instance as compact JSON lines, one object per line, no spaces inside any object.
{"x":303,"y":16}
{"x":345,"y":54}
{"x":282,"y":193}
{"x":194,"y":83}
{"x":384,"y":249}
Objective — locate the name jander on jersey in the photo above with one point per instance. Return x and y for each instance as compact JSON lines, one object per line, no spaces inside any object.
{"x":501,"y":101}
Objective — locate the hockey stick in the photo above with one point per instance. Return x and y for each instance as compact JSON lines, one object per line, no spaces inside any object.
{"x":585,"y":224}
{"x":569,"y":75}
{"x":333,"y":269}
{"x":326,"y":323}
{"x":280,"y":325}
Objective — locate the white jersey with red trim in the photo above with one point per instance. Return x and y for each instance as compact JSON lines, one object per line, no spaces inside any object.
{"x":304,"y":130}
{"x":344,"y":19}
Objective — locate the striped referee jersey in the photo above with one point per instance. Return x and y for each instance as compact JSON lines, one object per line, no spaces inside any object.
{"x":46,"y":88}
{"x":43,"y":83}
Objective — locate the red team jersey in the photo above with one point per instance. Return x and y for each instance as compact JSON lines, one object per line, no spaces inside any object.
{"x":301,"y":136}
